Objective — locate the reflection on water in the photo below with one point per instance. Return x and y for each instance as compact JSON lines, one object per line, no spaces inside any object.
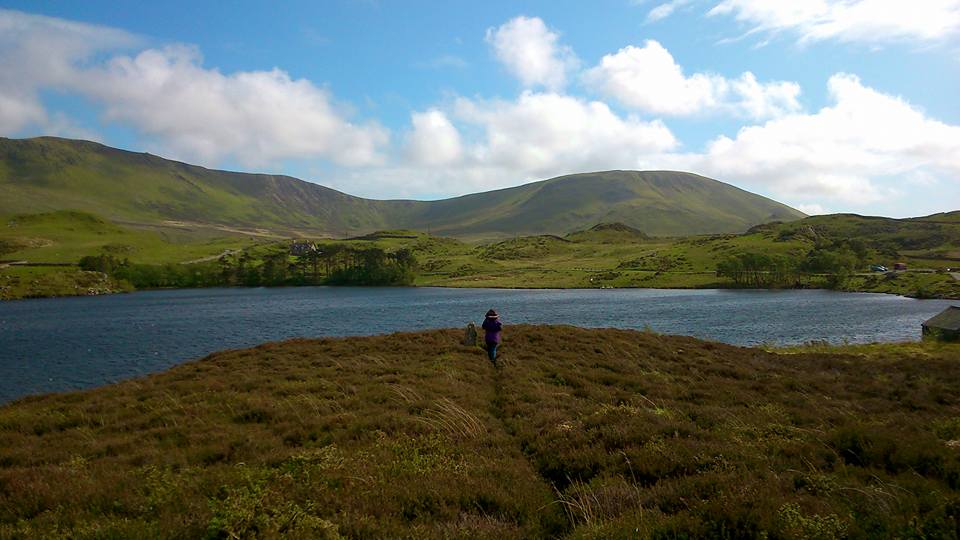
{"x":68,"y":343}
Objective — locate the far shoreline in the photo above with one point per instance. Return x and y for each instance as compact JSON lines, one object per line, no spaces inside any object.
{"x":479,"y":287}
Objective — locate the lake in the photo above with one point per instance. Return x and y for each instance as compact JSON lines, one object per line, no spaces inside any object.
{"x":70,"y":343}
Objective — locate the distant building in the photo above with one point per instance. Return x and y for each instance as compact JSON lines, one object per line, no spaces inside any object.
{"x":945,"y":326}
{"x":899,"y":266}
{"x":301,"y":248}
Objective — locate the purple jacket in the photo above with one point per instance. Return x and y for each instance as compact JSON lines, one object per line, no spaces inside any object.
{"x":492,"y":325}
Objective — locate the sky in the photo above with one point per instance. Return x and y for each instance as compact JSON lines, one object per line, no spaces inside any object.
{"x":826,"y":105}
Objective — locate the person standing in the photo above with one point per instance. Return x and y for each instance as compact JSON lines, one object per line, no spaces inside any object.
{"x":492,"y":326}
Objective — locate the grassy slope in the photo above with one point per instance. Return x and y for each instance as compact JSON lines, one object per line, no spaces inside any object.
{"x":931,"y":240}
{"x":621,"y":259}
{"x":66,"y":236}
{"x":656,"y":202}
{"x":583,"y":434}
{"x":606,"y":255}
{"x":43,"y":282}
{"x":45,"y":174}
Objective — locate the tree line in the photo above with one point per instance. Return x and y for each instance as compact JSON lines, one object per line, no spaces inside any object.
{"x":332,"y":264}
{"x":838,"y":260}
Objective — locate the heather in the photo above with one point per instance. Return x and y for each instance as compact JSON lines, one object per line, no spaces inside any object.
{"x":578,"y":434}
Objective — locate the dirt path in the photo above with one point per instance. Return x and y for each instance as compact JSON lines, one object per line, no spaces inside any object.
{"x":213,"y":257}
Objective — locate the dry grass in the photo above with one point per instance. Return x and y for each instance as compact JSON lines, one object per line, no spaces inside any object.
{"x":584,"y":433}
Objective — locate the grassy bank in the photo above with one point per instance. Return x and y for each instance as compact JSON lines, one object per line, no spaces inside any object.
{"x":45,"y":281}
{"x":581,"y":434}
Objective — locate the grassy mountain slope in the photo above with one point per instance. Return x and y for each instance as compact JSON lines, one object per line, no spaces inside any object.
{"x":582,"y":434}
{"x":609,"y":233}
{"x":47,"y":174}
{"x":931,"y":241}
{"x":65,"y":236}
{"x":661,"y":203}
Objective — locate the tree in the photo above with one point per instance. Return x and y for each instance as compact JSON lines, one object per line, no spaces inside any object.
{"x":758,"y":270}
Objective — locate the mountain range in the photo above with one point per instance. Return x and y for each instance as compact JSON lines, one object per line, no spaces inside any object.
{"x":48,"y":173}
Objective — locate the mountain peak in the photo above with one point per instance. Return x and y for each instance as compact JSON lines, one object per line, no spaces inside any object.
{"x":50,"y":173}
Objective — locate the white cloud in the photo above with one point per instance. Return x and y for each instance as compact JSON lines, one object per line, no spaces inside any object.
{"x":186,"y":110}
{"x":812,"y":209}
{"x":541,"y":134}
{"x":532,"y":52}
{"x":38,"y":52}
{"x":18,"y":110}
{"x":254,"y":116}
{"x":507,"y":142}
{"x":849,"y":151}
{"x":865,"y":146}
{"x":434,"y":140}
{"x":869,"y":21}
{"x":662,"y":11}
{"x":649,"y":79}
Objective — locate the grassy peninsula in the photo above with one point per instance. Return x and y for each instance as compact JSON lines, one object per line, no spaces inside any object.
{"x":581,"y":434}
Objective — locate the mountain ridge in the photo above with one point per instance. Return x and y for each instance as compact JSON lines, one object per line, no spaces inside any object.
{"x":50,"y":173}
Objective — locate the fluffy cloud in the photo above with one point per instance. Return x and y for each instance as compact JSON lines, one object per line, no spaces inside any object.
{"x":541,"y":134}
{"x":865,"y":146}
{"x":869,"y":21}
{"x":188,"y":111}
{"x":506,"y":142}
{"x":38,"y":52}
{"x":842,"y":152}
{"x":434,"y":140}
{"x":532,"y":52}
{"x":649,"y":79}
{"x":253,"y":116}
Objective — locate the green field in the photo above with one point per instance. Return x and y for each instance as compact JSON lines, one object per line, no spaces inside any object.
{"x":607,"y":255}
{"x":579,"y":434}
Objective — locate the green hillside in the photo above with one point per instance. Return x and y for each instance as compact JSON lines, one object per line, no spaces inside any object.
{"x":580,"y":434}
{"x":67,"y":235}
{"x":609,"y":233}
{"x":659,"y":203}
{"x":49,"y":174}
{"x":932,"y":241}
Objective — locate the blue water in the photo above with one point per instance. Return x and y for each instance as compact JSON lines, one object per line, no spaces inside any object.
{"x":70,"y":343}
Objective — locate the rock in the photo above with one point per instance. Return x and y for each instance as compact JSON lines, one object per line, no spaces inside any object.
{"x":470,"y":335}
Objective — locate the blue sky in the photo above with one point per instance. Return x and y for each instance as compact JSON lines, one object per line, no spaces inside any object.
{"x":827,"y":105}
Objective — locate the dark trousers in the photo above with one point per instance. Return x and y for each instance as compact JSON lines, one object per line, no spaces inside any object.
{"x":492,"y":350}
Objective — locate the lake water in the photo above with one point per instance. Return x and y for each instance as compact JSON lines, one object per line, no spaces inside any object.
{"x":69,"y":343}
